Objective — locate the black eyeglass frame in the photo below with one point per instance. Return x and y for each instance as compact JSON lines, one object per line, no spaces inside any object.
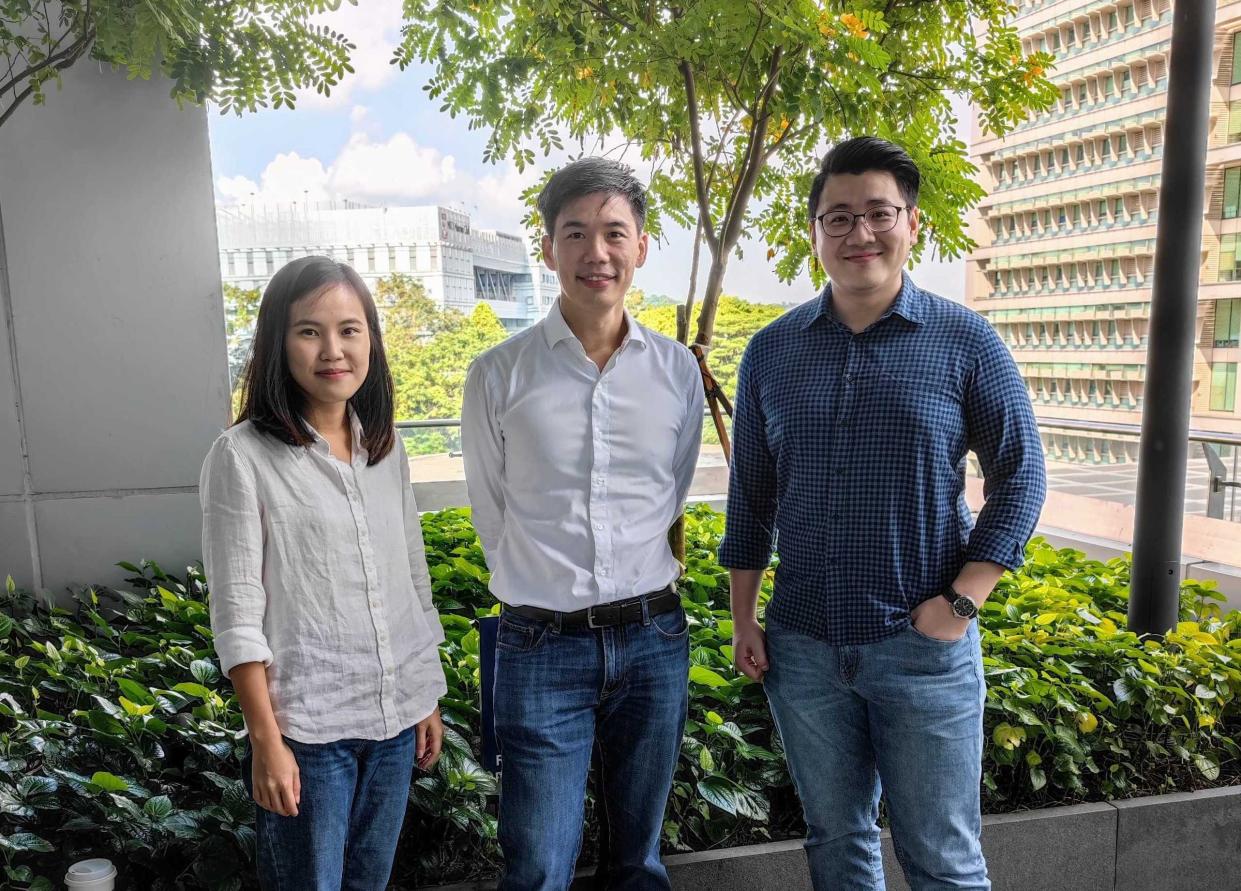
{"x":818,"y":221}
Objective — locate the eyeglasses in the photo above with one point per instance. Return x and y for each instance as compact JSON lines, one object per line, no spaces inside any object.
{"x":839,"y":223}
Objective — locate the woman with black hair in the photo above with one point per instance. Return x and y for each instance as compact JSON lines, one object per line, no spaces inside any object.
{"x":320,"y":595}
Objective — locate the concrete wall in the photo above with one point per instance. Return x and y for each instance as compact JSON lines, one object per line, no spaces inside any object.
{"x":113,"y":372}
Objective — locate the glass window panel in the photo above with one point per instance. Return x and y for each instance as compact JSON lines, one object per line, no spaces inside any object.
{"x":1232,"y":192}
{"x":1236,"y":58}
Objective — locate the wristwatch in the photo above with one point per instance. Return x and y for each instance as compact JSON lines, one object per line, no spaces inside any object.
{"x":962,"y":606}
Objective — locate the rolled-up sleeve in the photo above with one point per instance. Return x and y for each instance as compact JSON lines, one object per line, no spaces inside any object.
{"x":482,"y":450}
{"x":233,"y":557}
{"x":419,"y":573}
{"x":750,"y":518}
{"x":1004,"y":435}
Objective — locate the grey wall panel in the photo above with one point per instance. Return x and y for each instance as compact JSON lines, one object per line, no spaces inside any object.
{"x":110,"y":231}
{"x":81,"y":538}
{"x":15,"y":544}
{"x":11,"y":465}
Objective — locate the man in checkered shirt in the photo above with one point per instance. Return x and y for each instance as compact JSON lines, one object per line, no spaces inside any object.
{"x":854,"y":414}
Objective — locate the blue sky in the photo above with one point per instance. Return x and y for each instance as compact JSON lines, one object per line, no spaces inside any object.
{"x":378,"y":139}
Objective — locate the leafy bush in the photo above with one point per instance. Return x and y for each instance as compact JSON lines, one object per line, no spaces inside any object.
{"x":119,"y":738}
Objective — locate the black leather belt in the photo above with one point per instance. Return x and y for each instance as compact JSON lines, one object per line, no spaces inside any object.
{"x":605,"y":615}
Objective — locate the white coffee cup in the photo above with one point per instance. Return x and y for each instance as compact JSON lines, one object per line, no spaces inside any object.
{"x":91,"y":875}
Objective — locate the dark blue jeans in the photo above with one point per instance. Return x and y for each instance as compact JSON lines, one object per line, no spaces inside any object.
{"x":344,"y":835}
{"x":556,"y":693}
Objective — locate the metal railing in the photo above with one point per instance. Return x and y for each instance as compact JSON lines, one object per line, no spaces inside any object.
{"x":1223,"y":488}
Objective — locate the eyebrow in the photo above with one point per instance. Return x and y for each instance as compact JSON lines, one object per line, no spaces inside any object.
{"x":615,"y":223}
{"x":301,"y":323}
{"x":841,"y":205}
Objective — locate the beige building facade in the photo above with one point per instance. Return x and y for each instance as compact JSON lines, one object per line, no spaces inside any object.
{"x":1066,"y":235}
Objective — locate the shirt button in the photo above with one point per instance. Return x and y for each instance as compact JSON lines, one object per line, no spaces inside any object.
{"x":840,"y":471}
{"x":599,"y":526}
{"x":849,"y":378}
{"x":836,"y":518}
{"x":603,"y":572}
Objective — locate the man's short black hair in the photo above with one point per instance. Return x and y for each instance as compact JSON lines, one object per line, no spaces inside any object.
{"x":588,"y":176}
{"x":863,"y":154}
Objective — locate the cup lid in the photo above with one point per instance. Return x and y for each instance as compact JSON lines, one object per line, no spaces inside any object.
{"x":98,"y":868}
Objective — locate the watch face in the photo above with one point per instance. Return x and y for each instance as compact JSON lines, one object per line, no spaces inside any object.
{"x":964,"y":608}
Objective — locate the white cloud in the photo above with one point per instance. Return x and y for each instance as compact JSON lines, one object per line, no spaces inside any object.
{"x":374,"y":26}
{"x":393,"y":171}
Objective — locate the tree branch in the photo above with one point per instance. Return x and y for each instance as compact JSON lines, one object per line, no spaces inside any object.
{"x":700,"y":185}
{"x":60,"y":62}
{"x":608,"y":14}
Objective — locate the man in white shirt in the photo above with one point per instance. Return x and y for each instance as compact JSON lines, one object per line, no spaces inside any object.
{"x":580,"y":437}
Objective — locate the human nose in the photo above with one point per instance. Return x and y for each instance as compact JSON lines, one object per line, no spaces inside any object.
{"x":861,"y":232}
{"x":596,"y":250}
{"x":330,"y":347}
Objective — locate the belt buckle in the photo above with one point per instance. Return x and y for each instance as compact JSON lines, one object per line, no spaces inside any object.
{"x":590,"y":615}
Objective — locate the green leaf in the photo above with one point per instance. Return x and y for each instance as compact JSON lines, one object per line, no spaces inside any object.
{"x":157,"y":808}
{"x":205,"y":671}
{"x":109,"y":782}
{"x":192,"y":689}
{"x":699,"y":674}
{"x":26,"y":842}
{"x":135,"y":692}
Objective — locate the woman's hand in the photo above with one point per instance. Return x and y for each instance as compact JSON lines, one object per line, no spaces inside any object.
{"x":277,"y":780}
{"x":430,"y":735}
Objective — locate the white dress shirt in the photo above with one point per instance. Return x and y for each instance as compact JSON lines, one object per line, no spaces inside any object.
{"x":316,"y":568}
{"x":575,"y":475}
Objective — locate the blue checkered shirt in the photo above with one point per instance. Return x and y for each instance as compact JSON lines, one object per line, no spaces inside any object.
{"x":850,"y":455}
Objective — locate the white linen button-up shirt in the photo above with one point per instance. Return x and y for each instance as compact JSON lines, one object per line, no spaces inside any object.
{"x":575,"y":475}
{"x":316,"y":568}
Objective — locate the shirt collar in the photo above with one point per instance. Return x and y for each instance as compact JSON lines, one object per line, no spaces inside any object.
{"x":910,"y":304}
{"x":556,"y":329}
{"x":320,"y":444}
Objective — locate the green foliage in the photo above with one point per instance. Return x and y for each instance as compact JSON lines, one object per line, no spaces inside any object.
{"x":119,"y":738}
{"x":728,"y":102}
{"x":738,"y":320}
{"x":429,"y":351}
{"x":242,"y":55}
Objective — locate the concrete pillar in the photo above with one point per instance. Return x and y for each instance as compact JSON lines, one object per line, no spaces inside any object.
{"x":113,"y":369}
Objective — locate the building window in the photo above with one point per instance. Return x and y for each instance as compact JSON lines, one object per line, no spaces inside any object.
{"x":1064,"y":157}
{"x":1118,"y":207}
{"x":1037,"y":164}
{"x":1080,"y":155}
{"x":370,"y":259}
{"x":1077,"y":214}
{"x":1081,"y":93}
{"x":1228,"y":323}
{"x":1101,"y":210}
{"x":1234,"y":122}
{"x":1224,"y":386}
{"x":1113,"y":21}
{"x":1106,"y":85}
{"x":1053,"y":40}
{"x":1126,"y":15}
{"x":1124,"y":81}
{"x":1105,"y":147}
{"x":1232,"y":192}
{"x":1122,"y":143}
{"x":1228,"y":268}
{"x":1236,"y":58}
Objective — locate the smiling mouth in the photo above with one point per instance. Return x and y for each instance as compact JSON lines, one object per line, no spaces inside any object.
{"x":335,"y":372}
{"x":595,"y":279}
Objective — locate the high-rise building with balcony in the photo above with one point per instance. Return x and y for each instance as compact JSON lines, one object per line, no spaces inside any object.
{"x":1066,"y":235}
{"x":458,"y":265}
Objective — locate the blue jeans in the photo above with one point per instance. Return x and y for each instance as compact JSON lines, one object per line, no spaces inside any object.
{"x":907,"y":710}
{"x":556,"y":693}
{"x":344,"y":835}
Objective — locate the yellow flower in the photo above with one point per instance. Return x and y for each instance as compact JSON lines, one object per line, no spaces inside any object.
{"x":855,"y":25}
{"x":1087,"y":722}
{"x":585,"y":72}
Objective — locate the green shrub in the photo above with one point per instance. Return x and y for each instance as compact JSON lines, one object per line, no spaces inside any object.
{"x":119,"y":738}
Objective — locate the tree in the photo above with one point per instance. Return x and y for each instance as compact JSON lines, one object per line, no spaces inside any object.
{"x":241,"y":310}
{"x":240,"y":54}
{"x":729,"y":101}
